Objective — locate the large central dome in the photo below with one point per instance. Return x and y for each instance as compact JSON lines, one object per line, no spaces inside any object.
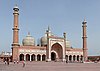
{"x":28,"y":40}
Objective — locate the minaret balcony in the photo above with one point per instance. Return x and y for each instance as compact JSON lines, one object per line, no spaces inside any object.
{"x":15,"y":44}
{"x":15,"y":13}
{"x":15,"y":28}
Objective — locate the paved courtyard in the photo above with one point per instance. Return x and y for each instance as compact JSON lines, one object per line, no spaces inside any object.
{"x":50,"y":66}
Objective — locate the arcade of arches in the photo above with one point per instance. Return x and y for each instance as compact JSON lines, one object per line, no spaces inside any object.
{"x":32,"y":57}
{"x":72,"y":58}
{"x":56,"y":55}
{"x":39,"y":57}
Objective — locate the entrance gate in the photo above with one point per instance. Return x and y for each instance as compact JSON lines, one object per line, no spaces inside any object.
{"x":53,"y":56}
{"x":56,"y":44}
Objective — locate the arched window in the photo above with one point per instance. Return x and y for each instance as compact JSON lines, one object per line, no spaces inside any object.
{"x":38,"y":57}
{"x":66,"y":57}
{"x":33,"y":57}
{"x":70,"y":58}
{"x":21,"y":56}
{"x":74,"y":57}
{"x":81,"y":58}
{"x":27,"y":57}
{"x":77,"y":57}
{"x":43,"y":57}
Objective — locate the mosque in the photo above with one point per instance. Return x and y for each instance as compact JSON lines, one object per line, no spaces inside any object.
{"x":51,"y":47}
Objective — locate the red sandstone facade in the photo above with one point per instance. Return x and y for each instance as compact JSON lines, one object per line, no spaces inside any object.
{"x":54,"y":50}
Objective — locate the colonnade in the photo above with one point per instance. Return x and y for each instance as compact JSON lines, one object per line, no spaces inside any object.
{"x":33,"y":57}
{"x":42,"y":57}
{"x":74,"y":58}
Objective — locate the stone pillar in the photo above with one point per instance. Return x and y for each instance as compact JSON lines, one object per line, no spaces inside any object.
{"x":79,"y":59}
{"x":68,"y":58}
{"x":35,"y":57}
{"x":72,"y":59}
{"x":75,"y":58}
{"x":24,"y":57}
{"x":30,"y":57}
{"x":84,"y":41}
{"x":41,"y":57}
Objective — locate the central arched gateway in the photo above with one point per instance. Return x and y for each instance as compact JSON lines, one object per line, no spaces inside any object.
{"x":55,"y":48}
{"x":56,"y":52}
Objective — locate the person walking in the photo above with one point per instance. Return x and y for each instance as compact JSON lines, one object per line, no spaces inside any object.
{"x":66,"y":60}
{"x":7,"y":61}
{"x":23,"y":63}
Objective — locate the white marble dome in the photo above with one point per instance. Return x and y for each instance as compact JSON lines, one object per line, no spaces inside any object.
{"x":44,"y":38}
{"x":28,"y":40}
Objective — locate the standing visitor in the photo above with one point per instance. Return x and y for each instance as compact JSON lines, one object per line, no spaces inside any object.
{"x":17,"y":62}
{"x":14,"y":62}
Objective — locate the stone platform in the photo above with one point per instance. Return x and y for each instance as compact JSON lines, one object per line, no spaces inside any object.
{"x":50,"y":66}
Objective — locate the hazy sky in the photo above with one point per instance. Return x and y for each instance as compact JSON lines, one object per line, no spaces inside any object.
{"x":61,"y":15}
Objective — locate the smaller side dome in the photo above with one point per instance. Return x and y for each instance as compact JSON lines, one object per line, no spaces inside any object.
{"x":44,"y":40}
{"x":28,"y":40}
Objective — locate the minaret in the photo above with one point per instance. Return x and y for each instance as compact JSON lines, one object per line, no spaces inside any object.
{"x":15,"y":27}
{"x":64,"y":58}
{"x":84,"y":41}
{"x":48,"y":58}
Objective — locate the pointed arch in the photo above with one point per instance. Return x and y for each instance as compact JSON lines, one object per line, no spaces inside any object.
{"x":74,"y":57}
{"x":70,"y":58}
{"x":58,"y":50}
{"x":38,"y":57}
{"x":33,"y":57}
{"x":21,"y":56}
{"x":43,"y":57}
{"x":27,"y":57}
